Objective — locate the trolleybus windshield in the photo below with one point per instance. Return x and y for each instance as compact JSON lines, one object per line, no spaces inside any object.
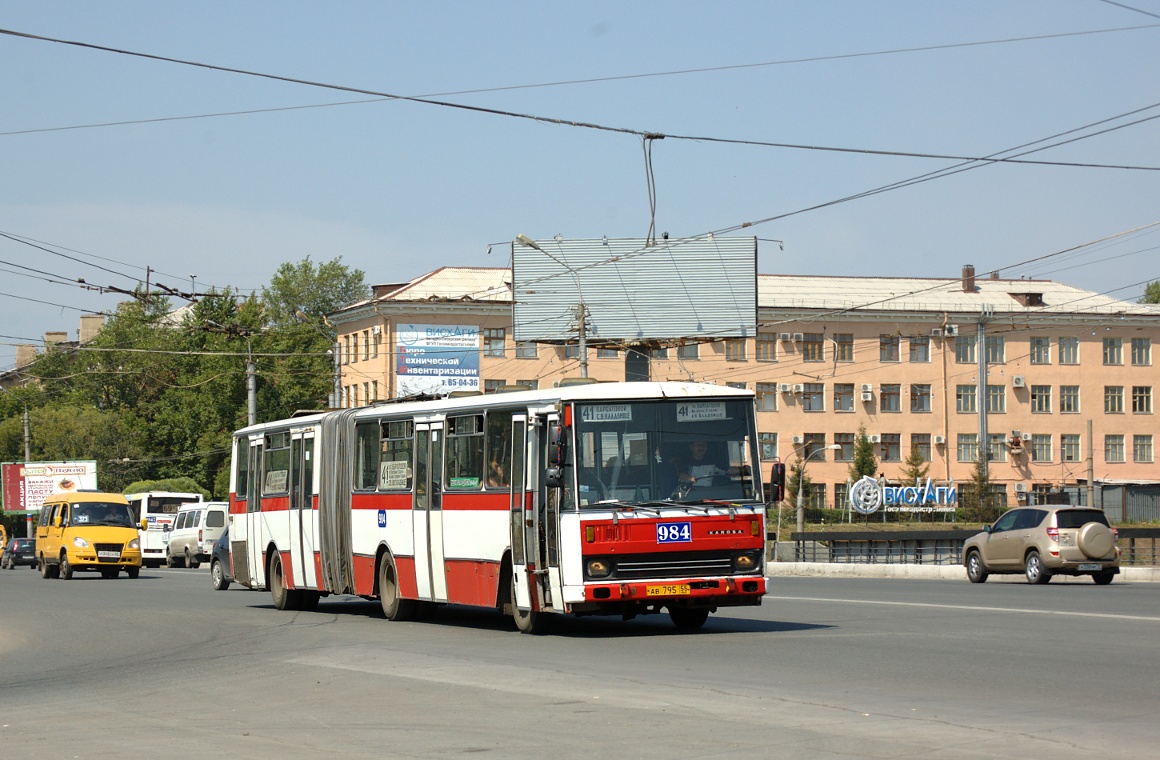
{"x":685,"y":451}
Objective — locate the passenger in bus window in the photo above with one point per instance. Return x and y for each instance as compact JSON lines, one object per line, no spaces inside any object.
{"x":495,"y":475}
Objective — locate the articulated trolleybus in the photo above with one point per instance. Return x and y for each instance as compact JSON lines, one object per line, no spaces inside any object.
{"x":600,"y":499}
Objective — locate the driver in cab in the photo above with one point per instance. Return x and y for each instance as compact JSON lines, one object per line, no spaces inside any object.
{"x":698,"y":467}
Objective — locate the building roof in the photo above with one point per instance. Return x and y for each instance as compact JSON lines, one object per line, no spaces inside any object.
{"x":492,"y":285}
{"x":915,"y":294}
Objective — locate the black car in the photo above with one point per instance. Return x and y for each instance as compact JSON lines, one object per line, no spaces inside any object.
{"x":19,"y":551}
{"x":219,"y":567}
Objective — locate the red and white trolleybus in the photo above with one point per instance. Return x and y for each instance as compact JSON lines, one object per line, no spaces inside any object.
{"x":599,"y":499}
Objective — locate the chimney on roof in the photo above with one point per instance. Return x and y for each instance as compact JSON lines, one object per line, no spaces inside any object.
{"x":995,"y":274}
{"x":25,"y":354}
{"x":968,"y":278}
{"x":91,"y":324}
{"x":54,"y":339}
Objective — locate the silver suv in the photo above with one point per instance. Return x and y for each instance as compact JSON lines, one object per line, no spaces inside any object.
{"x":1043,"y":541}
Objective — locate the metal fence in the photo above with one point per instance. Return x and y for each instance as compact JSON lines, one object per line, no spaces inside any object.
{"x":1138,"y":546}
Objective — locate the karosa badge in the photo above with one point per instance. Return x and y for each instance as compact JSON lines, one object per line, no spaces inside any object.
{"x":867,"y":495}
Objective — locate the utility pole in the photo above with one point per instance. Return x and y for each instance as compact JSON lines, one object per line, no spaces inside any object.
{"x":251,"y":389}
{"x":582,"y":329}
{"x":1091,"y":468}
{"x":27,"y":436}
{"x":981,"y":388}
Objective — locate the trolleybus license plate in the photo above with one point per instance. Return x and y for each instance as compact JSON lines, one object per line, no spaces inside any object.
{"x":668,"y":589}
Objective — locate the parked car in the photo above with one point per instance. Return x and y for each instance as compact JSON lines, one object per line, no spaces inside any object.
{"x":1043,"y":541}
{"x":19,"y":551}
{"x":193,"y":533}
{"x":220,"y":571}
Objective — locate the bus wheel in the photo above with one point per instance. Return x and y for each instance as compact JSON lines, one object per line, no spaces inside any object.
{"x":66,"y":570}
{"x":527,"y":621}
{"x":394,"y":608}
{"x":684,"y":617}
{"x":284,"y":598}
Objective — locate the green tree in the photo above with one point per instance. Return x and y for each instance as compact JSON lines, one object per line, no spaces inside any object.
{"x":976,"y":497}
{"x":796,"y":474}
{"x":313,"y":290}
{"x":1151,"y":292}
{"x":915,"y":468}
{"x":865,"y":462}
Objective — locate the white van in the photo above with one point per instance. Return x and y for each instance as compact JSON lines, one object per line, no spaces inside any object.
{"x":194,"y":531}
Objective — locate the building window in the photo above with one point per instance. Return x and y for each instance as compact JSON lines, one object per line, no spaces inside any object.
{"x":1141,"y":352}
{"x":572,"y":351}
{"x":1113,"y":448}
{"x":996,"y":399}
{"x":493,"y":338}
{"x":841,"y":493}
{"x":890,"y":398}
{"x":891,"y":447}
{"x":815,"y":447}
{"x":920,"y":398}
{"x":813,"y":347}
{"x":354,"y":349}
{"x":846,"y":441}
{"x":1069,"y":350}
{"x":1069,"y":448}
{"x":1113,"y":351}
{"x":968,"y":449}
{"x":1040,"y":448}
{"x":607,"y":353}
{"x":738,"y":386}
{"x":688,"y":351}
{"x":1142,"y":449}
{"x":997,"y":447}
{"x":844,"y":347}
{"x":1040,"y":350}
{"x":1041,"y":399}
{"x":965,"y":349}
{"x":659,"y":353}
{"x":966,"y":399}
{"x":766,"y":347}
{"x":813,"y":397}
{"x":366,"y":345}
{"x":366,"y":393}
{"x":526,"y":349}
{"x":491,"y":386}
{"x":817,"y":496}
{"x":768,"y":443}
{"x":888,"y":348}
{"x":843,"y":397}
{"x":374,"y":390}
{"x":920,"y":348}
{"x":767,"y":397}
{"x":1113,"y":399}
{"x":1069,"y":399}
{"x":735,"y":350}
{"x":996,"y":349}
{"x":1142,"y":399}
{"x":346,"y":349}
{"x":920,"y":442}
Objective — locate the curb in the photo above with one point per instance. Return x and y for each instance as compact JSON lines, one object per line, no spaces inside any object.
{"x":927,"y":572}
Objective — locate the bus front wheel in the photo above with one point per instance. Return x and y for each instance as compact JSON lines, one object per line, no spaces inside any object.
{"x":394,"y":606}
{"x":527,"y":621}
{"x":284,"y":598}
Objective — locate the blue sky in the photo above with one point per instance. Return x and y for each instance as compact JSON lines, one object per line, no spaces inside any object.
{"x":399,"y":188}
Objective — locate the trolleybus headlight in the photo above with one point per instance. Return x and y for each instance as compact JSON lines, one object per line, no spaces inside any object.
{"x":746,"y":562}
{"x":598,"y":568}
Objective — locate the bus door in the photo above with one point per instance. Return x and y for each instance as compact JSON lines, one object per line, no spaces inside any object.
{"x":523,"y":513}
{"x":430,"y":573}
{"x":549,"y":511}
{"x":541,"y":520}
{"x":303,"y":517}
{"x":254,"y":535}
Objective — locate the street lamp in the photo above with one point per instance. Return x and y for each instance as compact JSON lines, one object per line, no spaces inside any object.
{"x":801,"y":514}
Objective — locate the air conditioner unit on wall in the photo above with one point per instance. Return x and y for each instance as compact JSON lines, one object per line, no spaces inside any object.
{"x":867,"y":388}
{"x":798,"y":388}
{"x":797,"y":439}
{"x":1020,"y":488}
{"x":936,"y":332}
{"x":867,"y":396}
{"x":875,"y":438}
{"x":1026,"y":437}
{"x":940,"y":440}
{"x":950,"y":330}
{"x":1018,"y":381}
{"x":798,"y":337}
{"x":786,"y":337}
{"x":784,"y":387}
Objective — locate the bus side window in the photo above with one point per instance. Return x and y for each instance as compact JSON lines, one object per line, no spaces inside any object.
{"x":242,"y":457}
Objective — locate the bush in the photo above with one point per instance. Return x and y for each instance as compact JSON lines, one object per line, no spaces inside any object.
{"x":179,"y":485}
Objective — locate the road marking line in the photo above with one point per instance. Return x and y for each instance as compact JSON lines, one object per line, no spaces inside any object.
{"x":967,"y":607}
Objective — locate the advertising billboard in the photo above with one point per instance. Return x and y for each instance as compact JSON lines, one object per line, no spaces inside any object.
{"x":436,"y":358}
{"x":28,"y":484}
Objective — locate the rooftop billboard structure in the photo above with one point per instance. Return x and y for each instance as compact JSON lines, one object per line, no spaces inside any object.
{"x":634,"y":291}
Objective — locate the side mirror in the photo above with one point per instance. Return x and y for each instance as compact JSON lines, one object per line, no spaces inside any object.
{"x":144,"y":523}
{"x":554,"y":477}
{"x":986,"y":528}
{"x":556,"y":442}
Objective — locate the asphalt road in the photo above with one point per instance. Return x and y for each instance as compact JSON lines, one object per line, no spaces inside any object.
{"x":827,"y":667}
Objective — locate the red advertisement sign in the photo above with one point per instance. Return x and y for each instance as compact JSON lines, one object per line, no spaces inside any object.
{"x":28,"y":484}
